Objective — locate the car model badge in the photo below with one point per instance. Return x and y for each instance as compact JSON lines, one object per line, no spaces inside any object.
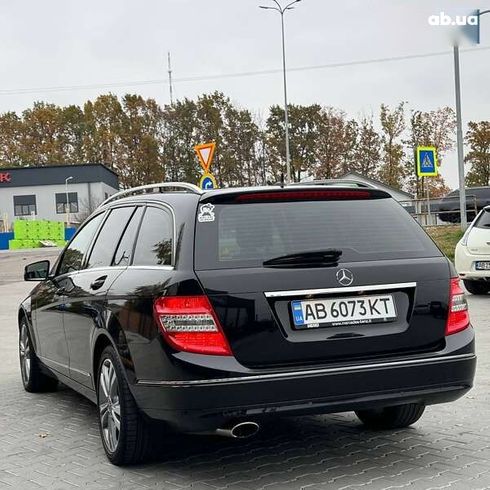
{"x":345,"y":277}
{"x":206,"y":213}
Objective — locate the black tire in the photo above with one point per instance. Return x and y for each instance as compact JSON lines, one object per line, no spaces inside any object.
{"x":391,"y":417}
{"x":33,"y":378}
{"x":132,"y":438}
{"x":476,"y":287}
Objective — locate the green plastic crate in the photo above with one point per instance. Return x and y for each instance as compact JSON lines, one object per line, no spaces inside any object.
{"x":15,"y":244}
{"x":31,"y":230}
{"x":55,"y":231}
{"x":20,"y":229}
{"x":43,"y":229}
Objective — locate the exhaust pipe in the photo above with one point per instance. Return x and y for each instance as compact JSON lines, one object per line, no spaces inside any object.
{"x":242,"y":430}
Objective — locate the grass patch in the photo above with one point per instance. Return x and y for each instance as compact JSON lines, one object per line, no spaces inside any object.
{"x":446,"y":237}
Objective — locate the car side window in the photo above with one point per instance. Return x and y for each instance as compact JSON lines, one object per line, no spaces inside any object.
{"x":72,"y":259}
{"x":108,"y":237}
{"x":155,"y":238}
{"x":125,"y":247}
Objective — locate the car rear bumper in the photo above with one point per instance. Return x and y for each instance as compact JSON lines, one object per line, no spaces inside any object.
{"x":205,"y":404}
{"x":465,"y":264}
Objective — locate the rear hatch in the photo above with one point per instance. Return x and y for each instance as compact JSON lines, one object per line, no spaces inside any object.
{"x":318,"y":275}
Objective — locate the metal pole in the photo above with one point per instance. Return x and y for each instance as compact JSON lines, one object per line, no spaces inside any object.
{"x":429,"y":217}
{"x":67,"y":205}
{"x":459,"y":140}
{"x":170,"y":79}
{"x":67,"y":202}
{"x":286,"y":118}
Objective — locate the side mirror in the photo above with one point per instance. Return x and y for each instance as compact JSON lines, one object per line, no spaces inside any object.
{"x":37,"y":271}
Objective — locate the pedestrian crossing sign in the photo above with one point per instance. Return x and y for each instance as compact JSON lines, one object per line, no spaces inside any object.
{"x":426,"y":161}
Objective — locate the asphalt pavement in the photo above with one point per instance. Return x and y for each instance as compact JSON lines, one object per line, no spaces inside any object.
{"x":51,"y":440}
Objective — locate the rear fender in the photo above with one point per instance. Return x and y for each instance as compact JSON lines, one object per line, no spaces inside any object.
{"x":113,"y":335}
{"x":25,"y":311}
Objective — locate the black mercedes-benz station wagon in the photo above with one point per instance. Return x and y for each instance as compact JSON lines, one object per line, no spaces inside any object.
{"x":213,"y":311}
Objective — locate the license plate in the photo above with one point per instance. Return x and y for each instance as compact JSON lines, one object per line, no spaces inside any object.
{"x":334,"y":312}
{"x":482,"y":266}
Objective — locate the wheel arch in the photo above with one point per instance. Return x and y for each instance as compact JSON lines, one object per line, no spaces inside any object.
{"x":100,"y":344}
{"x":22,"y":314}
{"x":25,"y":312}
{"x":112,"y":336}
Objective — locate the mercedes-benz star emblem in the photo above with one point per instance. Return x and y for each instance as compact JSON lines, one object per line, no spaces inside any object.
{"x":345,"y":277}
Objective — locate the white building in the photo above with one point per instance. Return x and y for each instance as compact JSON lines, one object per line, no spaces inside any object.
{"x":42,"y":192}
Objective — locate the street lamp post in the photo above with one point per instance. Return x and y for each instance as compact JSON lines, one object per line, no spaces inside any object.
{"x":67,"y":202}
{"x":459,"y":135}
{"x":281,"y":11}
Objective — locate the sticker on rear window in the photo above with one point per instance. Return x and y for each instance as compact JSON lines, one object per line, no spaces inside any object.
{"x":206,"y":213}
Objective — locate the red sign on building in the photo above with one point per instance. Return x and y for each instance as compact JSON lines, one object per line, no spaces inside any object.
{"x":4,"y":177}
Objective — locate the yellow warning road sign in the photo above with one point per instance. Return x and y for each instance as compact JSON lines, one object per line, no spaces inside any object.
{"x":205,"y":153}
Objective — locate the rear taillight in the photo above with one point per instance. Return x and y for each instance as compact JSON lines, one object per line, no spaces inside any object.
{"x":189,"y":324}
{"x":458,"y":318}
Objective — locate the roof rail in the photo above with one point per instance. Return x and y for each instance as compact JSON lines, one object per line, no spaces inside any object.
{"x":335,"y":182}
{"x":143,"y":189}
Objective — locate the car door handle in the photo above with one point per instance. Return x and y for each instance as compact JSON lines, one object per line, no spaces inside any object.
{"x":98,"y":283}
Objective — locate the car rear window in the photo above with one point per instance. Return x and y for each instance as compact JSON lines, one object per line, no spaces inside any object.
{"x":245,"y":235}
{"x":483,"y":220}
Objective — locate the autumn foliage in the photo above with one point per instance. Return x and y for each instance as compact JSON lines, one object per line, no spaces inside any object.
{"x":145,"y":142}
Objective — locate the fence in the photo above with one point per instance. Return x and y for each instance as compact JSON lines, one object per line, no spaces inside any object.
{"x":440,"y":212}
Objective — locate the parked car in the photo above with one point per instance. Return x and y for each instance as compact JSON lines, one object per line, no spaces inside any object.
{"x":472,"y":256}
{"x":213,"y":311}
{"x":476,"y":199}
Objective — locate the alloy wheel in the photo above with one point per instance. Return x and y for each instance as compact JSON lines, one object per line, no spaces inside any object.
{"x":109,"y":405}
{"x":25,"y":354}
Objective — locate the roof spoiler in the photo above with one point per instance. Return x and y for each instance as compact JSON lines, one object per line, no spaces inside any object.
{"x":296,"y":193}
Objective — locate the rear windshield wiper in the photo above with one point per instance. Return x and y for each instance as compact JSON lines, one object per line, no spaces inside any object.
{"x":318,"y":258}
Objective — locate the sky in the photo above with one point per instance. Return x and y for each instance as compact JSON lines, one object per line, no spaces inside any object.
{"x":108,"y":45}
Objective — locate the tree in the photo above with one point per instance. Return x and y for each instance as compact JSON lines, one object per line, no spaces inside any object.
{"x":335,"y":144}
{"x":42,"y":136}
{"x":179,"y":137}
{"x":304,"y":132}
{"x":241,"y":141}
{"x":392,"y":121}
{"x":478,"y":139}
{"x":367,"y":151}
{"x":11,"y":130}
{"x":144,"y":142}
{"x":392,"y":125}
{"x":102,"y":136}
{"x":72,"y":131}
{"x":141,"y":141}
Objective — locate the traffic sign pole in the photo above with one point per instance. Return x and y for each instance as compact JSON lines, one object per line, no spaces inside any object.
{"x":426,"y":157}
{"x":459,"y":140}
{"x":429,"y":217}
